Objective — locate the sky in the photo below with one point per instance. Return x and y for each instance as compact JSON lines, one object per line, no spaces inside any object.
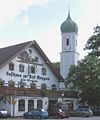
{"x":40,"y":20}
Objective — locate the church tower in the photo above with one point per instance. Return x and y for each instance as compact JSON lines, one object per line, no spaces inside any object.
{"x":69,"y":54}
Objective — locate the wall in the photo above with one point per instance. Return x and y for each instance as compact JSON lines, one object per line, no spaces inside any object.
{"x":48,"y":79}
{"x":19,"y":113}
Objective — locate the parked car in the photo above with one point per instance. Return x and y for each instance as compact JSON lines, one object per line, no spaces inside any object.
{"x":66,"y":112}
{"x":3,"y":113}
{"x":83,"y":112}
{"x":36,"y":113}
{"x":58,"y":113}
{"x":96,"y":112}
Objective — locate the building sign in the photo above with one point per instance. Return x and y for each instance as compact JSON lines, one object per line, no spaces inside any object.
{"x":26,"y":77}
{"x":12,"y":74}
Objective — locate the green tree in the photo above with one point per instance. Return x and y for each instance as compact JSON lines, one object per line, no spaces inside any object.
{"x":85,"y":77}
{"x":93,"y":43}
{"x":57,"y":66}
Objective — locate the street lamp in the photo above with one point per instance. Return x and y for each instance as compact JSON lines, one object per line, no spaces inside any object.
{"x":13,"y":103}
{"x":62,"y":96}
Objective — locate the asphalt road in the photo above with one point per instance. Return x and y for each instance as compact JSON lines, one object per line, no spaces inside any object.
{"x":71,"y":118}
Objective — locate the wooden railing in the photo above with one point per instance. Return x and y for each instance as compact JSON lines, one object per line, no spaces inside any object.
{"x":6,"y":90}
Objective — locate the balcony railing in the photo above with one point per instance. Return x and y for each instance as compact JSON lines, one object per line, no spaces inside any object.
{"x":6,"y":90}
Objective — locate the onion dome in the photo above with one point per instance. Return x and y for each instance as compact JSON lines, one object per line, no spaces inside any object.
{"x":69,"y":25}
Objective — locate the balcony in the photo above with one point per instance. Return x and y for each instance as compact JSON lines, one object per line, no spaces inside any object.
{"x":6,"y":90}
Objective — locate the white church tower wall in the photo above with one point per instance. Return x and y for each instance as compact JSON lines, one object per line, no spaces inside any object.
{"x":69,"y":54}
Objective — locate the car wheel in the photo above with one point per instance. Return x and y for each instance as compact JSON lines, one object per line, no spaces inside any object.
{"x":59,"y":117}
{"x":56,"y":116}
{"x":40,"y":117}
{"x":67,"y":116}
{"x":25,"y":117}
{"x":47,"y":117}
{"x":30,"y":117}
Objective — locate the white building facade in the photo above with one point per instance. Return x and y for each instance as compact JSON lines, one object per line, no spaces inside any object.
{"x":28,"y":80}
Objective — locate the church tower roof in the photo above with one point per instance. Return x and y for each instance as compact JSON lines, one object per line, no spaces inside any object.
{"x":69,"y":25}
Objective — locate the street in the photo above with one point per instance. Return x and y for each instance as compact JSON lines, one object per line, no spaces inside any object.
{"x":86,"y":118}
{"x":71,"y":118}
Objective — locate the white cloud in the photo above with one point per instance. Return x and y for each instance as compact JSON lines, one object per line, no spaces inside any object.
{"x":52,"y":43}
{"x":25,"y":20}
{"x":88,"y":17}
{"x":11,"y":8}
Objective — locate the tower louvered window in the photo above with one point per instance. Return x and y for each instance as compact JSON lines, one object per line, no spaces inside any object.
{"x":67,"y":41}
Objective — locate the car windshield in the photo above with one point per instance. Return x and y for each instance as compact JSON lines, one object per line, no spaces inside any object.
{"x":64,"y":109}
{"x":76,"y":110}
{"x":86,"y":109}
{"x":2,"y":110}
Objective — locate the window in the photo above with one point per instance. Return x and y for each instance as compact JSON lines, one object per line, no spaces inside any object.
{"x":22,"y":84}
{"x":30,"y":51}
{"x":21,"y":68}
{"x":54,"y":87}
{"x":11,"y":66}
{"x":11,"y":83}
{"x":43,"y":89}
{"x":43,"y":86}
{"x":2,"y":82}
{"x":30,"y":105}
{"x":36,"y":59}
{"x":33,"y":85}
{"x":43,"y":71}
{"x":39,"y":104}
{"x":21,"y":105}
{"x":32,"y":69}
{"x":67,"y":41}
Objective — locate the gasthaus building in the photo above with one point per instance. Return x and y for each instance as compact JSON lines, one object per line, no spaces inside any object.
{"x":29,"y":80}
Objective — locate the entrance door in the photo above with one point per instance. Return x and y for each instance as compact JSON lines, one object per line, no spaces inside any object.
{"x":52,"y":105}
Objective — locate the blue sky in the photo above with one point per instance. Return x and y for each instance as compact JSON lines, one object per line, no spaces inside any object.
{"x":40,"y":20}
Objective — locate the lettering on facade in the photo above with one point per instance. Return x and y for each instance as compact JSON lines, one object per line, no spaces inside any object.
{"x":43,"y":78}
{"x":12,"y":74}
{"x":25,"y":77}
